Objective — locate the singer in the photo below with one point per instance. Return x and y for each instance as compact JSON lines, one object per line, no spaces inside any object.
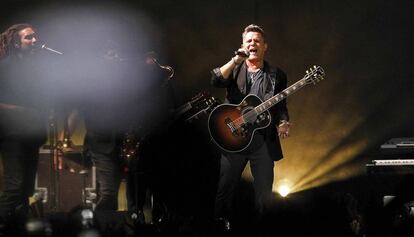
{"x":22,"y":121}
{"x":18,"y":41}
{"x":248,"y":73}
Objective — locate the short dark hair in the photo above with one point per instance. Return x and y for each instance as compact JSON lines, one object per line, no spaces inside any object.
{"x":254,"y":28}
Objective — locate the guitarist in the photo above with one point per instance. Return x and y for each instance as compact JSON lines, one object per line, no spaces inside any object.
{"x":248,"y":73}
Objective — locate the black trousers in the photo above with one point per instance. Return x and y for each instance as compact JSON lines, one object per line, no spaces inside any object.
{"x":20,"y":160}
{"x":231,"y":169}
{"x":105,"y":153}
{"x":108,"y":178}
{"x":137,"y":184}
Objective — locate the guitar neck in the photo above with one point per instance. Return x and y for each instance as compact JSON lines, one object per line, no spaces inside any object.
{"x":280,"y":96}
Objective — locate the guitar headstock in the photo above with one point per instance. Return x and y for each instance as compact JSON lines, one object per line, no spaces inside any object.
{"x":314,"y":75}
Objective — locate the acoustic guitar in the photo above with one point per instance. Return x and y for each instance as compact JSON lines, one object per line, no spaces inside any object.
{"x":232,"y":126}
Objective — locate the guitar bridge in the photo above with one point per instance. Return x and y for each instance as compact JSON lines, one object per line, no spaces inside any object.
{"x":230,"y":124}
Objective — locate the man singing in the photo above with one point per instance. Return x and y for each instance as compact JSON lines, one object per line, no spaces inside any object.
{"x":248,"y":73}
{"x":22,"y":119}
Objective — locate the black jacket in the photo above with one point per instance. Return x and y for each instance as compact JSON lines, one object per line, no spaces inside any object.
{"x":275,"y":81}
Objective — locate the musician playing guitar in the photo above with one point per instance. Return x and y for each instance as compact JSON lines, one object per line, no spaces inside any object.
{"x":248,"y":73}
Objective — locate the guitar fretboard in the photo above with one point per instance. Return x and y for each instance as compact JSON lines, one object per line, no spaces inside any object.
{"x":280,"y":96}
{"x":314,"y":75}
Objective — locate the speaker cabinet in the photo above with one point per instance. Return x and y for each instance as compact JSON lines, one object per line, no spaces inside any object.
{"x":71,"y":185}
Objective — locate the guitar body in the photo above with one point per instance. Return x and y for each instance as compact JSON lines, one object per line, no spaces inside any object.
{"x":232,"y":127}
{"x":223,"y":120}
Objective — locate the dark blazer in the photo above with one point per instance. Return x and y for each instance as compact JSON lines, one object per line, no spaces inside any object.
{"x":275,"y":81}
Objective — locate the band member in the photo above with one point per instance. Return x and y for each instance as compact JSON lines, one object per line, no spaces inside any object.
{"x":22,"y":118}
{"x":115,"y":119}
{"x":248,"y":73}
{"x":102,"y":142}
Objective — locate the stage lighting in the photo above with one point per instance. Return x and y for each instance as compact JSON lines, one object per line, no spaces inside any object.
{"x":284,"y":187}
{"x":89,"y":233}
{"x":37,"y":227}
{"x":284,"y":190}
{"x":87,"y":219}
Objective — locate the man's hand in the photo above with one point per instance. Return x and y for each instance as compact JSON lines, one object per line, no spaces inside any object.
{"x":240,"y":55}
{"x":283,"y":129}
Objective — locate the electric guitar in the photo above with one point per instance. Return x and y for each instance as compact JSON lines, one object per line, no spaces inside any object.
{"x":232,"y":126}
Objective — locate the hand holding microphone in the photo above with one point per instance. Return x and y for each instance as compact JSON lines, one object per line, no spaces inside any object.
{"x":240,"y":55}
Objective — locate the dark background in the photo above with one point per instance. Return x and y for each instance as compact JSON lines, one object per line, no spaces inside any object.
{"x":365,"y":48}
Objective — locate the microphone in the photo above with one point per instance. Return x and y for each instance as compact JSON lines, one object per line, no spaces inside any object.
{"x":151,"y":59}
{"x":242,"y":52}
{"x":43,"y":46}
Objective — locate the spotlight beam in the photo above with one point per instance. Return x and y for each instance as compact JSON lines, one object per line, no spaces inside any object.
{"x":357,"y":135}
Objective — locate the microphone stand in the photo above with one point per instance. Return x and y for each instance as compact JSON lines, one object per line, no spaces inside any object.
{"x":54,"y":161}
